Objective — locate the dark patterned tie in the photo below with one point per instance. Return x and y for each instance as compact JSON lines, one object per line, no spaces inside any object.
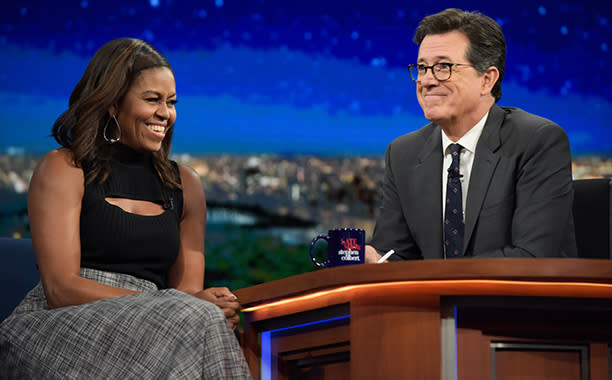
{"x":453,"y":215}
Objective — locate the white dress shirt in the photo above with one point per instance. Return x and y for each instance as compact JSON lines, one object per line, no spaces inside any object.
{"x":466,"y":160}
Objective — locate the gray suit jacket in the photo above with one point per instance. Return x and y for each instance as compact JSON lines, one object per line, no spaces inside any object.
{"x":519,"y":201}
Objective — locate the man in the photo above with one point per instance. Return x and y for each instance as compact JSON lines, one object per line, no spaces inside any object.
{"x":480,"y":180}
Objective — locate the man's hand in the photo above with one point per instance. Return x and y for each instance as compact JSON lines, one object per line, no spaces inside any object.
{"x":371,"y":256}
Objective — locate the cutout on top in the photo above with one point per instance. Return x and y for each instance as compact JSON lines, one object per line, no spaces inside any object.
{"x":132,"y":206}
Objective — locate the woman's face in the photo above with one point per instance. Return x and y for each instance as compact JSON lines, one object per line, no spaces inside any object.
{"x":147,"y":111}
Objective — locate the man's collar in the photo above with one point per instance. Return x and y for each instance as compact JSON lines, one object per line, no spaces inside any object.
{"x":470,"y":139}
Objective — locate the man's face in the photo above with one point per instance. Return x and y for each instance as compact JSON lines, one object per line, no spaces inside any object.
{"x":447,"y":102}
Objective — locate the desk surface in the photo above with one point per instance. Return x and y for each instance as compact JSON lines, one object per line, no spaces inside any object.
{"x":556,"y":277}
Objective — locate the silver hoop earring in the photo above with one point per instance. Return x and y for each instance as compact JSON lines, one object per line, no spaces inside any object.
{"x":108,"y":140}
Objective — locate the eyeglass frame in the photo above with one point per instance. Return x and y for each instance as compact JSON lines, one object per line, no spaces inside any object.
{"x":433,"y":72}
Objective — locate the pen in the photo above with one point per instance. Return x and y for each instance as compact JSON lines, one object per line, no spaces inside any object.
{"x":385,"y":257}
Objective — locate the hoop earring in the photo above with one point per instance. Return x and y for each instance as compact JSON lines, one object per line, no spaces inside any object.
{"x":109,"y":140}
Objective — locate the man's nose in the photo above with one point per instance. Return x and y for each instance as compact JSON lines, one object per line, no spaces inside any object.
{"x":428,"y":77}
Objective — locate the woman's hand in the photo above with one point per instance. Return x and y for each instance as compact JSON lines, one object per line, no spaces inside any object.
{"x":225,"y":300}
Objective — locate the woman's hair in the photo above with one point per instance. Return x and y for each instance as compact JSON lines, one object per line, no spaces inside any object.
{"x":106,"y":80}
{"x":487,"y":43}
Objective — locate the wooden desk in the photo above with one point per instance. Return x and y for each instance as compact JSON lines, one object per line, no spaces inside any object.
{"x":449,"y":319}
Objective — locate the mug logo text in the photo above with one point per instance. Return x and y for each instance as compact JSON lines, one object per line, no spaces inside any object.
{"x":350,"y":251}
{"x":350,"y":244}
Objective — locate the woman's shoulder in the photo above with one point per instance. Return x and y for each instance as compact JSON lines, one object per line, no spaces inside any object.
{"x":58,"y":163}
{"x":192,"y":183}
{"x":60,"y":157}
{"x":188,"y":174}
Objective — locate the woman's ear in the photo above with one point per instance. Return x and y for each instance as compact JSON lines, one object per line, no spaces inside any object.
{"x":113,"y":110}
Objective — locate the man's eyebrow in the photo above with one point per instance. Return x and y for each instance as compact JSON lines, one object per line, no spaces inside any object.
{"x":437,"y":59}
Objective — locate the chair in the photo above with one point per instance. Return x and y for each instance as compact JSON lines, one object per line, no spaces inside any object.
{"x":593,"y":217}
{"x":18,"y":272}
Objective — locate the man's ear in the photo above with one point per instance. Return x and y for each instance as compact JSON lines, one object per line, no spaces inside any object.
{"x":489,"y":78}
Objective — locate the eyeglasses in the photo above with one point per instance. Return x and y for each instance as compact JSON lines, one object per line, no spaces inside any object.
{"x":441,"y":71}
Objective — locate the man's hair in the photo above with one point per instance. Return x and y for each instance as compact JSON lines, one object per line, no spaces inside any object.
{"x":487,"y":43}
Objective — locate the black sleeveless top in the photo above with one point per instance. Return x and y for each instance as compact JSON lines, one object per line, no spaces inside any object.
{"x":115,"y":240}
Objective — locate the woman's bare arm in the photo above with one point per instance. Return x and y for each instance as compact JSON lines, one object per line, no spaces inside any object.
{"x":187,"y":274}
{"x":54,"y":208}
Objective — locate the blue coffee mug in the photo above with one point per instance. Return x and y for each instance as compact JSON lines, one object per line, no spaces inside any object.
{"x":345,"y":246}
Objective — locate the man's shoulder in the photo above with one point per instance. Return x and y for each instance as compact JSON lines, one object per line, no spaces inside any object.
{"x":520,"y":127}
{"x":417,"y":137}
{"x":521,"y":118}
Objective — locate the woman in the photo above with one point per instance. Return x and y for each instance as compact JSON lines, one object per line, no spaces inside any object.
{"x":118,"y":231}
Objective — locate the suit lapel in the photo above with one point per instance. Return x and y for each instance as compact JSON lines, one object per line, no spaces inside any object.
{"x":485,"y":162}
{"x":428,"y":193}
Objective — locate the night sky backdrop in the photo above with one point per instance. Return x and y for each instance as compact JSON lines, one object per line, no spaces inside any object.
{"x":315,"y":77}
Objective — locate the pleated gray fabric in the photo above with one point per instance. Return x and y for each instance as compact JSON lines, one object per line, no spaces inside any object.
{"x":156,"y":334}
